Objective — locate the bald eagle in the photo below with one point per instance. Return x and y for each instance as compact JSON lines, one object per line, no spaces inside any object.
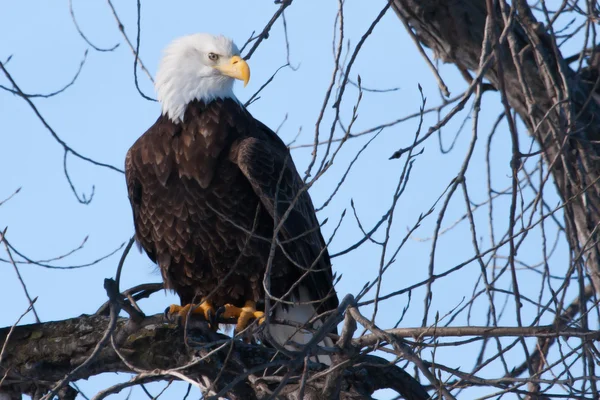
{"x":212,"y":189}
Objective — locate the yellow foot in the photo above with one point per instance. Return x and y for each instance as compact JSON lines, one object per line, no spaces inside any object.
{"x":205,"y":309}
{"x":244,"y":314}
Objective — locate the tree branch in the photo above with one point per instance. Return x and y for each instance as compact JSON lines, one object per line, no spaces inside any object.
{"x":39,"y":355}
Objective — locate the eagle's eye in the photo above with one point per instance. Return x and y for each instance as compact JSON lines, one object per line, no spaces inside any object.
{"x":213,"y":57}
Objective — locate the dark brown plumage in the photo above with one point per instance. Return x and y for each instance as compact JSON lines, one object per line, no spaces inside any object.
{"x":199,"y":188}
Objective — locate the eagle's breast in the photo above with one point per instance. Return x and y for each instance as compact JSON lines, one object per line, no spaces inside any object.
{"x":195,"y":209}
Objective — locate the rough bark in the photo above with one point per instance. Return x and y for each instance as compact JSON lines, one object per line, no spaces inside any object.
{"x":39,"y":355}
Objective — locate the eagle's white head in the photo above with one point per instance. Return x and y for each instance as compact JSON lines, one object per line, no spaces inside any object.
{"x":198,"y":67}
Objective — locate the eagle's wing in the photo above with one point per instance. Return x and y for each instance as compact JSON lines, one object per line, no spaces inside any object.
{"x":160,"y":213}
{"x":134,"y":190}
{"x":267,"y":164}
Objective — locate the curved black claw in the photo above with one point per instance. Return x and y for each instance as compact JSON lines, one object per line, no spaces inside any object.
{"x":218,"y":315}
{"x":212,"y":320}
{"x":167,"y":314}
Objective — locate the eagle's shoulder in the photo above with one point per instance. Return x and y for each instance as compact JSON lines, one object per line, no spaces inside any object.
{"x":191,"y":148}
{"x":153,"y":152}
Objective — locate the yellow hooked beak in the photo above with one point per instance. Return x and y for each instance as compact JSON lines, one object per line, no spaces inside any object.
{"x":236,"y":68}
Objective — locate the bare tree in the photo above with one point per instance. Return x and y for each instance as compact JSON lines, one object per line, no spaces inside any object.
{"x":527,"y":327}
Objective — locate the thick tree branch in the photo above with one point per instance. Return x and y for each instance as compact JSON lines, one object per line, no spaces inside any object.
{"x":554,"y":102}
{"x":39,"y":355}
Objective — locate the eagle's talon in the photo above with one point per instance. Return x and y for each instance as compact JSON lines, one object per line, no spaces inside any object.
{"x":212,"y":318}
{"x":219,"y":313}
{"x":244,"y":315}
{"x":205,"y":309}
{"x":166,"y":313}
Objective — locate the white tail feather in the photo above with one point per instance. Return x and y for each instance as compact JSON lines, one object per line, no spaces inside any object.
{"x":299,"y":314}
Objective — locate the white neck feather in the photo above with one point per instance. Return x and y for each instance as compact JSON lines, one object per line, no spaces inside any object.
{"x":181,"y":78}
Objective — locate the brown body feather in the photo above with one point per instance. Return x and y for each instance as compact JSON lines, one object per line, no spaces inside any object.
{"x":204,"y":194}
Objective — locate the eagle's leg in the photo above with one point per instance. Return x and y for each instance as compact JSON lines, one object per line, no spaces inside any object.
{"x":204,"y":308}
{"x":243,"y":314}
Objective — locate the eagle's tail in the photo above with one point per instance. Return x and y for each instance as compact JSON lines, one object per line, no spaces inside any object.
{"x":286,"y":335}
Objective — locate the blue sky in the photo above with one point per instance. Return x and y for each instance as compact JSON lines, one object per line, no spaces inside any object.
{"x":102,"y":114}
